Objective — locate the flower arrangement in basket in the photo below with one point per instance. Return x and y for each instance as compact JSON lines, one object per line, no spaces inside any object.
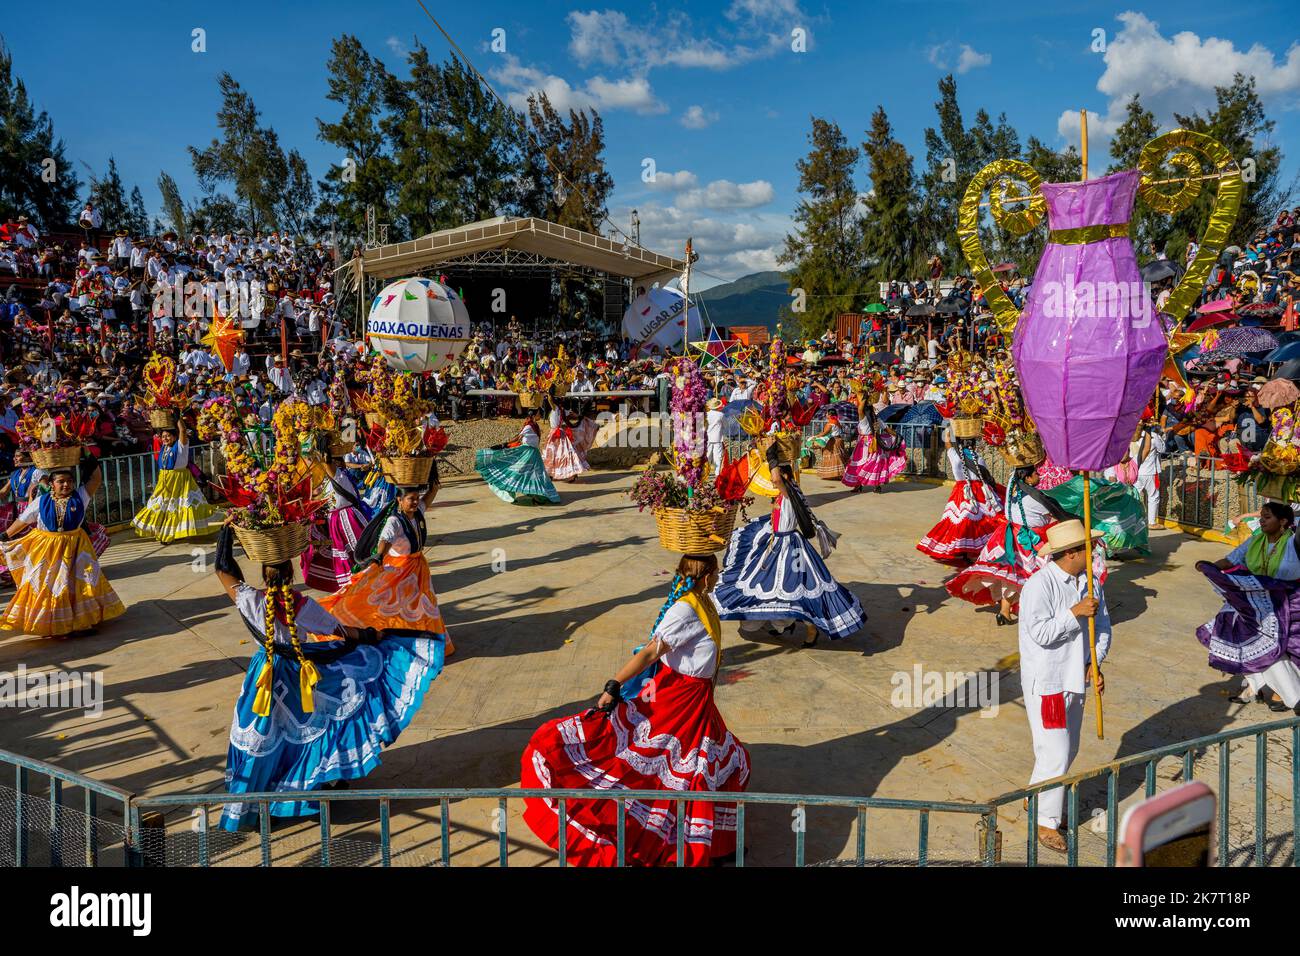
{"x":692,"y":514}
{"x":162,"y":396}
{"x":778,"y":409}
{"x":399,"y":433}
{"x":271,"y":504}
{"x":53,"y":430}
{"x":1272,"y":472}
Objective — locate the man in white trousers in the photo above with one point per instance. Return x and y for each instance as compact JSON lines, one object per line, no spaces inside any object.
{"x":713,"y":433}
{"x":1054,"y":663}
{"x":1151,"y":445}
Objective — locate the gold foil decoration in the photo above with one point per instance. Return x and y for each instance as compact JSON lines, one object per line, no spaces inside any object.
{"x":1227,"y":202}
{"x":996,"y":174}
{"x":1083,"y":235}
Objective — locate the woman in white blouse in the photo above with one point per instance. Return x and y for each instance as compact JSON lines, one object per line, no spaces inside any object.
{"x":655,"y":727}
{"x":1253,"y":635}
{"x":391,"y":586}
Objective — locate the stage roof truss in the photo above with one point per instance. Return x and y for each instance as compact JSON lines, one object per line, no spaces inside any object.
{"x":551,"y":244}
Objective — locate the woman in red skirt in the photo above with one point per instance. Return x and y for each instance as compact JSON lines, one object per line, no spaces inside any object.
{"x":971,"y":515}
{"x":654,"y":728}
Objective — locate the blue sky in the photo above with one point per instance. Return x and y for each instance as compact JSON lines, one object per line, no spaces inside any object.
{"x":714,"y":94}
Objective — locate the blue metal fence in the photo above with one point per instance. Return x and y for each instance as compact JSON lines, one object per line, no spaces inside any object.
{"x":128,"y":481}
{"x":108,"y":816}
{"x":1187,"y":751}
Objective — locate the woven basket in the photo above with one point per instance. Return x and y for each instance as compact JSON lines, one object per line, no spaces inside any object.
{"x":406,"y":471}
{"x":695,"y":532}
{"x":967,"y":427}
{"x":530,"y":399}
{"x":788,"y":445}
{"x":162,"y":418}
{"x":1023,"y":449}
{"x":1277,"y":487}
{"x":49,"y":459}
{"x":339,"y":448}
{"x":273,"y":545}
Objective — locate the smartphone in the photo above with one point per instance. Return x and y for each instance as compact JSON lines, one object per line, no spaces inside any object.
{"x":1175,"y":828}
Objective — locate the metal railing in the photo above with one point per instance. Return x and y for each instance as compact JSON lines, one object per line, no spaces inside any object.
{"x":384,"y":799}
{"x":60,"y":830}
{"x":140,"y":830}
{"x":128,"y":481}
{"x":1195,"y":490}
{"x":1148,"y":761}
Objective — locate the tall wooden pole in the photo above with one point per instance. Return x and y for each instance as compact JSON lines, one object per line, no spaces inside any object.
{"x":1087,"y":489}
{"x":686,"y":312}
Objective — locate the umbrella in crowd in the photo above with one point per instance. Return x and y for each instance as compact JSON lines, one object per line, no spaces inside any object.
{"x":1243,"y":340}
{"x":1158,"y":270}
{"x":1261,"y":310}
{"x":883,"y":358}
{"x":950,"y":305}
{"x":1290,"y":370}
{"x":1278,"y":393}
{"x":1213,"y":313}
{"x":1005,"y":267}
{"x":920,"y":311}
{"x":876,"y":307}
{"x":1285,"y":352}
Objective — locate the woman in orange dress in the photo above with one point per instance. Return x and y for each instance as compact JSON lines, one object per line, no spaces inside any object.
{"x":390,"y":586}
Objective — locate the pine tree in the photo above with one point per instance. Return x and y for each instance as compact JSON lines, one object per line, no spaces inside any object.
{"x":570,"y":183}
{"x":1238,"y":122}
{"x":365,"y":173}
{"x":952,"y":160}
{"x":295,"y":209}
{"x":36,"y":178}
{"x":137,"y":220}
{"x":109,"y":196}
{"x":415,"y":123}
{"x":889,"y":237}
{"x":825,"y":250}
{"x":173,"y":206}
{"x":247,"y":156}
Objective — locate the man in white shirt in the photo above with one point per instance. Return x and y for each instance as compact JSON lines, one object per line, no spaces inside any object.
{"x":279,"y":375}
{"x":241,"y":363}
{"x":1150,"y":446}
{"x":742,"y":392}
{"x":1054,"y":663}
{"x":713,"y":431}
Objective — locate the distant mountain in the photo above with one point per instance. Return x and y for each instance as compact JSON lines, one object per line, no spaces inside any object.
{"x":751,"y":300}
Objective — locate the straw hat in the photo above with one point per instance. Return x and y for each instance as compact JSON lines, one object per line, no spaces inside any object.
{"x":714,"y":404}
{"x":1063,"y":536}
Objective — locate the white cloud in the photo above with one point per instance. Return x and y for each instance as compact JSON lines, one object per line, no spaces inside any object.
{"x":1176,"y":73}
{"x":728,"y":249}
{"x":633,"y":93}
{"x":673,"y":182}
{"x":397,"y":46}
{"x":967,"y":57}
{"x":697,"y":117}
{"x":630,"y":94}
{"x":724,"y":194}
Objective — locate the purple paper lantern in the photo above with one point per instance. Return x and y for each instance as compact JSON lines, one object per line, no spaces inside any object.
{"x":1088,"y":347}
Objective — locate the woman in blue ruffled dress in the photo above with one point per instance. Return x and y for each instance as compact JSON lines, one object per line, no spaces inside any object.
{"x":772,"y":572}
{"x":319,"y":700}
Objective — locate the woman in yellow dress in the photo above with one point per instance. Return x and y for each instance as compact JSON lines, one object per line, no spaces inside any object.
{"x":177,"y":508}
{"x":60,"y":589}
{"x":391,"y":586}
